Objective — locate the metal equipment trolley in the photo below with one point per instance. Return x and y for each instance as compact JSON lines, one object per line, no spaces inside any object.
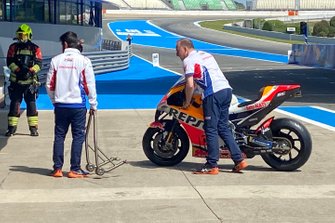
{"x":100,"y":158}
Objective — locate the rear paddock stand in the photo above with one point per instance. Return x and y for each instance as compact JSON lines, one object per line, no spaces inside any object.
{"x":100,"y":158}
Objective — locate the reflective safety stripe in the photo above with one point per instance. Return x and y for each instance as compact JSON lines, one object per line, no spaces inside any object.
{"x":13,"y":67}
{"x":25,"y":52}
{"x":12,"y":120}
{"x":30,"y":80}
{"x":33,"y":120}
{"x":12,"y":78}
{"x":36,"y":68}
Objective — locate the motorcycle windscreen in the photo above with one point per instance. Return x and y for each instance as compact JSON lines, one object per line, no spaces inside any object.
{"x":176,"y":99}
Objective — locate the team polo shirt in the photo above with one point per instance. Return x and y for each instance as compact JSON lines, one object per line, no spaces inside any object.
{"x":69,"y":79}
{"x":205,"y":71}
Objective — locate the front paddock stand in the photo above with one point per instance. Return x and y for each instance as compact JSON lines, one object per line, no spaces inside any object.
{"x":100,"y":158}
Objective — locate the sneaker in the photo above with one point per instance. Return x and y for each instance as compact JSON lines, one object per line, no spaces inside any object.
{"x":57,"y":173}
{"x":33,"y":131}
{"x":77,"y":174}
{"x":10,"y":131}
{"x":207,"y":169}
{"x":240,"y":165}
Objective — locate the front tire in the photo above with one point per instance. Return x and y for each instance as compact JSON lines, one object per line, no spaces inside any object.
{"x":162,"y":153}
{"x":297,"y":141}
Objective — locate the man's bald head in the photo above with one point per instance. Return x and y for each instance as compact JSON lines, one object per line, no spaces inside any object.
{"x":184,"y":47}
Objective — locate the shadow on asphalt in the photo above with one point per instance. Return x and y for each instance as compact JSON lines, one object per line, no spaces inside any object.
{"x":184,"y":166}
{"x":47,"y":172}
{"x":34,"y":170}
{"x":3,"y":128}
{"x":4,"y":124}
{"x":190,"y":167}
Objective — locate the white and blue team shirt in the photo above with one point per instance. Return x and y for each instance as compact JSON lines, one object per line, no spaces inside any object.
{"x":205,"y":71}
{"x":70,"y":77}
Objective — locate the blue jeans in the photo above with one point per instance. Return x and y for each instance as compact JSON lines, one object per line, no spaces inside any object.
{"x":64,"y":117}
{"x":216,"y":115}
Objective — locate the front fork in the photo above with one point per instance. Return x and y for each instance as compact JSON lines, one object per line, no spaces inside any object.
{"x":169,"y":129}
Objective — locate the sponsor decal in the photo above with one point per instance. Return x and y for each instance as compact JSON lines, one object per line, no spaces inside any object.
{"x":188,"y":119}
{"x":256,"y":106}
{"x":280,"y":94}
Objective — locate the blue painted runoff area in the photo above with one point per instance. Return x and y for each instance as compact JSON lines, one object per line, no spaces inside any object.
{"x":146,"y":34}
{"x":315,"y":114}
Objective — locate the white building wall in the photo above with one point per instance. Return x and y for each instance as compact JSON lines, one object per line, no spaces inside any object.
{"x":120,"y":3}
{"x":317,"y":4}
{"x":152,"y":4}
{"x":275,"y":4}
{"x":291,"y":4}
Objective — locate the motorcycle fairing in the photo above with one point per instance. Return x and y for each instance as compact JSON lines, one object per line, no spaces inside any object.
{"x":271,"y":98}
{"x":245,"y":114}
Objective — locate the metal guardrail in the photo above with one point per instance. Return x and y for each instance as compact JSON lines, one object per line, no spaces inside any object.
{"x":108,"y":61}
{"x":42,"y":75}
{"x":104,"y":61}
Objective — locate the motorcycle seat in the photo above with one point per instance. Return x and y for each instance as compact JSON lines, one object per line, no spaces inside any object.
{"x":245,"y":103}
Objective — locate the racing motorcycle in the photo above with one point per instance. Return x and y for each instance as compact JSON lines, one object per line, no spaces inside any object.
{"x":284,"y":143}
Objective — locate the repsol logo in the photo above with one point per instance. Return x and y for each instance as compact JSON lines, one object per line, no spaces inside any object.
{"x":190,"y":120}
{"x":256,"y":106}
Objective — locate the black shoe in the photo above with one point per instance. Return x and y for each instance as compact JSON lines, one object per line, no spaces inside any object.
{"x":10,"y":131}
{"x":207,"y":169}
{"x":33,"y":131}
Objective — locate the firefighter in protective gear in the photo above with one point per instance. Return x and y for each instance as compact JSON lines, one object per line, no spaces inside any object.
{"x":24,"y":59}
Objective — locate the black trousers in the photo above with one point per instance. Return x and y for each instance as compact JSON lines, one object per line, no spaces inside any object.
{"x":17,"y":92}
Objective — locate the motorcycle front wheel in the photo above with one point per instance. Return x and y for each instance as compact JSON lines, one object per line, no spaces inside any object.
{"x":293,"y":145}
{"x":164,"y":153}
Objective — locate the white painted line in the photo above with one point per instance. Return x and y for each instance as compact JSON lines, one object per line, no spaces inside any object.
{"x":167,"y":193}
{"x":269,"y":191}
{"x":324,"y":109}
{"x":95,"y":194}
{"x":328,"y":127}
{"x":163,"y":68}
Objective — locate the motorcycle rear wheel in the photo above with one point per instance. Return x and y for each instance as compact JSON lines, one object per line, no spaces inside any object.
{"x":164,"y":154}
{"x":298,"y":139}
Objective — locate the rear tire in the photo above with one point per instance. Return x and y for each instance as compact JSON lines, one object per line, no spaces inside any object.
{"x":164,"y":154}
{"x":298,"y":137}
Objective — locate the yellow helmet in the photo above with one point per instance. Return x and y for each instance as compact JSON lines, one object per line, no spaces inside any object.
{"x":24,"y":29}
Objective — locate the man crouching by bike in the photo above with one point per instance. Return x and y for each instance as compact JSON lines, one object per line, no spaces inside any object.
{"x":202,"y":69}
